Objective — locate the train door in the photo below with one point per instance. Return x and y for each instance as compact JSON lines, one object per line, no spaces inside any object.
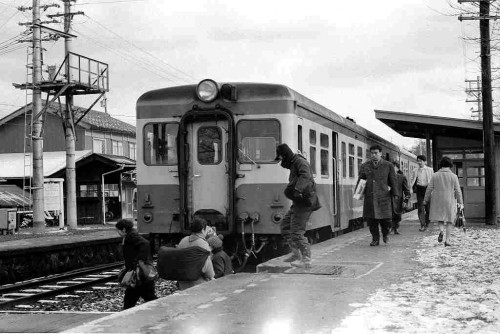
{"x":335,"y":203}
{"x":207,"y":177}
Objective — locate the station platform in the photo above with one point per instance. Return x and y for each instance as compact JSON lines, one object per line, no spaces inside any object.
{"x":26,"y":240}
{"x":412,"y":284}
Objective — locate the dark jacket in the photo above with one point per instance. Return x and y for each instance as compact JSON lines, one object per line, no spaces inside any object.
{"x":222,"y":263}
{"x":301,"y":188}
{"x":135,"y":248}
{"x":404,"y":193}
{"x":378,"y":198}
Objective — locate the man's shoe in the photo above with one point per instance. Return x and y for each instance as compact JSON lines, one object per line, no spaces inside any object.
{"x":440,"y":237}
{"x":421,"y":229}
{"x":396,"y":232}
{"x":446,"y":244}
{"x":374,"y":243}
{"x":385,"y":239}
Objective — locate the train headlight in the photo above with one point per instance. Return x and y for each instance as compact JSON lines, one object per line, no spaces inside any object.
{"x":147,"y":217}
{"x":207,"y":90}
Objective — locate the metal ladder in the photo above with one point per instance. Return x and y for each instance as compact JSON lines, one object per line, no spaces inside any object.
{"x":28,"y":126}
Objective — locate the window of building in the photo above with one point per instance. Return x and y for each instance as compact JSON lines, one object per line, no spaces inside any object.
{"x":99,"y":145}
{"x":117,"y":147}
{"x":160,"y":146}
{"x":257,"y":140}
{"x":475,"y":176}
{"x":344,"y":159}
{"x":111,"y":190}
{"x":89,"y":190}
{"x":209,"y":145}
{"x":132,"y":151}
{"x":351,"y":160}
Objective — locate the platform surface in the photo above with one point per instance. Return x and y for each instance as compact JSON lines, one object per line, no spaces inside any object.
{"x":413,"y":284}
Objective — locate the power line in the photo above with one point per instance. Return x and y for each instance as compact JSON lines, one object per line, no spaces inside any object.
{"x":141,"y":50}
{"x":105,"y":2}
{"x":123,"y":56}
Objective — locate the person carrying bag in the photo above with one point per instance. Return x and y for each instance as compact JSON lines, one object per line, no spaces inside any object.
{"x":138,"y":282}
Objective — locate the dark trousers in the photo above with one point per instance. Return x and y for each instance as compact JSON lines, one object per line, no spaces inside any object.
{"x":146,"y":290}
{"x":384,"y":226}
{"x":423,"y":210}
{"x":396,"y":219}
{"x":293,"y":228}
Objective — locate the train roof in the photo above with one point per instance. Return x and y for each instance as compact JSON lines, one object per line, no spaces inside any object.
{"x":248,"y":92}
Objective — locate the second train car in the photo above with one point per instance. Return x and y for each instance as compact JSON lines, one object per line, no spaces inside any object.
{"x":208,"y":150}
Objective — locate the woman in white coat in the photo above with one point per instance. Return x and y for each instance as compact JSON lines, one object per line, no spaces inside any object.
{"x":444,"y":192}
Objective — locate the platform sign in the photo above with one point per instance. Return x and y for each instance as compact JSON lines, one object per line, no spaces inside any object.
{"x":54,"y":198}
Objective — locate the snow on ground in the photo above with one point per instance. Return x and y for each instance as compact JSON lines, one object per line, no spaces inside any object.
{"x":454,"y":290}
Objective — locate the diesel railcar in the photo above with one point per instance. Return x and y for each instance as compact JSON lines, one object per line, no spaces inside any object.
{"x":208,"y":150}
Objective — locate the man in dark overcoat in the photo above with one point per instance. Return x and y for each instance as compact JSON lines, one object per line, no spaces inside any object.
{"x":381,"y":186}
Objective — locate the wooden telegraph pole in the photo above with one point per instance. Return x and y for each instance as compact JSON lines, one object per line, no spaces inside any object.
{"x":36,"y":132}
{"x":488,"y":133}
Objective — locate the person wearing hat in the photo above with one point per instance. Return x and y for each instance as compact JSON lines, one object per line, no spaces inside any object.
{"x":220,"y":260}
{"x":135,"y":248}
{"x":301,"y":190}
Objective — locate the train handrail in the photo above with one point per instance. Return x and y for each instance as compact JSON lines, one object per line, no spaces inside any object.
{"x":335,"y":209}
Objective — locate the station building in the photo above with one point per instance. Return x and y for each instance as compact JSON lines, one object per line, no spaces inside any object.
{"x":105,"y":150}
{"x":459,"y":139}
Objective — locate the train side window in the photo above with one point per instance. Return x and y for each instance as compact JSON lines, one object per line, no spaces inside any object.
{"x":323,"y":140}
{"x":351,"y":160}
{"x":312,"y":137}
{"x":324,"y":162}
{"x":324,"y":143}
{"x":360,"y":157}
{"x":160,"y":144}
{"x":209,"y":145}
{"x":312,"y":153}
{"x":312,"y":150}
{"x":257,"y":140}
{"x":344,"y":160}
{"x":299,"y":138}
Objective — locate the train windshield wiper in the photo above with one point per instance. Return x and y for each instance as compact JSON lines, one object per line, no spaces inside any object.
{"x":246,"y":156}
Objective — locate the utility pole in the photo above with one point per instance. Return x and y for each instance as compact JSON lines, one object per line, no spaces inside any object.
{"x":36,"y":134}
{"x":69,"y":126}
{"x":488,"y":133}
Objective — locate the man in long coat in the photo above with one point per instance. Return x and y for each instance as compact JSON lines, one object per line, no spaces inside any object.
{"x":381,"y":186}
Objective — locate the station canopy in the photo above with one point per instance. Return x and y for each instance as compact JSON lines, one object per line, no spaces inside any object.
{"x":417,"y":126}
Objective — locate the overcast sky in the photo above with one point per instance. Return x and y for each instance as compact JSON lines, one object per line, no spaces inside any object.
{"x":350,"y":56}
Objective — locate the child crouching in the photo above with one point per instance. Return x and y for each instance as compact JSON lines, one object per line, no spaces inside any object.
{"x":220,"y":260}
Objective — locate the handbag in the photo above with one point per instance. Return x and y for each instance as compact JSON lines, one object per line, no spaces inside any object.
{"x":460,"y":219}
{"x":148,"y":271}
{"x":130,"y":278}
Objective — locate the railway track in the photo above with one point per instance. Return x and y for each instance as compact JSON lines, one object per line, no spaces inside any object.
{"x":39,"y":290}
